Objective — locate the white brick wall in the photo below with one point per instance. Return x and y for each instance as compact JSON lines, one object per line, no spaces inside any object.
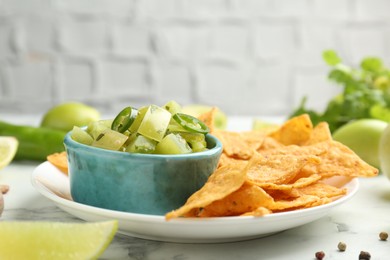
{"x":250,"y":57}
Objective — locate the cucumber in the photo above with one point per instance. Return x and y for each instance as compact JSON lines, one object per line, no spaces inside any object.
{"x":152,"y":129}
{"x":137,"y":122}
{"x":81,"y":136}
{"x":173,"y":144}
{"x":172,"y":107}
{"x":196,"y":141}
{"x":141,"y":144}
{"x":155,"y":123}
{"x":94,"y":129}
{"x":110,"y":139}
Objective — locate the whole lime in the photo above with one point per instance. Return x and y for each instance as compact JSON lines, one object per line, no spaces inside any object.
{"x":384,"y":151}
{"x":363,"y":137}
{"x":66,"y":115}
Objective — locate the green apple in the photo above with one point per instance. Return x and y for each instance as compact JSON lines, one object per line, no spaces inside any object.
{"x":363,"y":137}
{"x":384,"y":151}
{"x":197,"y":109}
{"x":66,"y":115}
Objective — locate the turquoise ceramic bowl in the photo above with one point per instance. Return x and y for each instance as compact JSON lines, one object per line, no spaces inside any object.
{"x":138,"y":183}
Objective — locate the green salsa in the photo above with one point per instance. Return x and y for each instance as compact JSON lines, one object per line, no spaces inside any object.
{"x":151,"y":129}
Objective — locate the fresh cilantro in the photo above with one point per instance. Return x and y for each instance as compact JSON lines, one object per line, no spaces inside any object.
{"x":331,"y":57}
{"x":365,"y":92}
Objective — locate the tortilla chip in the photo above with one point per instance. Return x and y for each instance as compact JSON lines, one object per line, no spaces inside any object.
{"x":209,"y":118}
{"x":304,"y":201}
{"x":235,"y":144}
{"x":253,"y":139}
{"x":338,"y":181}
{"x":276,"y":169}
{"x":224,"y":181}
{"x":269,"y":143}
{"x":341,"y":161}
{"x":294,"y":167}
{"x":306,"y":181}
{"x":60,"y":161}
{"x":284,"y":194}
{"x":259,"y":212}
{"x":297,"y":131}
{"x":322,"y":190}
{"x":320,"y":133}
{"x":299,"y":183}
{"x":248,"y":198}
{"x":226,"y":160}
{"x":295,"y":150}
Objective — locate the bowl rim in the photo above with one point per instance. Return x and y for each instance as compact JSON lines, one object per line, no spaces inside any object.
{"x":69,"y":143}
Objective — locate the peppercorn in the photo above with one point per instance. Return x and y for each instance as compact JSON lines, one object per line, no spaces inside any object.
{"x":342,"y":246}
{"x":383,"y":236}
{"x":320,"y":255}
{"x":364,"y":255}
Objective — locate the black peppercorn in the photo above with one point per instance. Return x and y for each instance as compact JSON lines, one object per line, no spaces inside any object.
{"x":320,"y":255}
{"x":342,"y":246}
{"x":383,"y":236}
{"x":364,"y":255}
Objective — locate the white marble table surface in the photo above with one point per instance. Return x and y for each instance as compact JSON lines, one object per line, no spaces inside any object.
{"x":358,"y":223}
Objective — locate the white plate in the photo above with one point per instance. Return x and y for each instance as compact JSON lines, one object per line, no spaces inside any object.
{"x":53,"y":184}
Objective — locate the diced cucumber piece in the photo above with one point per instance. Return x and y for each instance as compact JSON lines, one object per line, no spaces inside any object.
{"x":196,"y":141}
{"x":137,"y":122}
{"x":141,"y":144}
{"x":173,"y":144}
{"x":131,"y":138}
{"x":81,"y":136}
{"x":160,"y":130}
{"x":175,"y":127}
{"x":110,"y":139}
{"x":97,"y":127}
{"x":198,"y":147}
{"x":106,"y":122}
{"x":155,"y":123}
{"x":172,"y":107}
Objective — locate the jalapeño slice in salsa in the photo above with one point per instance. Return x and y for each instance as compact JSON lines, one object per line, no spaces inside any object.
{"x":190,"y":123}
{"x":124,"y":119}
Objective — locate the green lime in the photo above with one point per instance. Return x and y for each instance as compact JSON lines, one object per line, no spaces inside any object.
{"x":66,"y":115}
{"x":8,"y":148}
{"x":362,"y":136}
{"x":384,"y":151}
{"x":55,"y":240}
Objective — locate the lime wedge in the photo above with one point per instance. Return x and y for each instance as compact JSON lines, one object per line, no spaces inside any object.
{"x":8,"y":148}
{"x":55,"y":240}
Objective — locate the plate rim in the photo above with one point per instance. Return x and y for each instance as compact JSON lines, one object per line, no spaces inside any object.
{"x":353,"y":187}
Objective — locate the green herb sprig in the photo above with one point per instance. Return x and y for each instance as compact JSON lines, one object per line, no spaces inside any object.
{"x":365,"y":93}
